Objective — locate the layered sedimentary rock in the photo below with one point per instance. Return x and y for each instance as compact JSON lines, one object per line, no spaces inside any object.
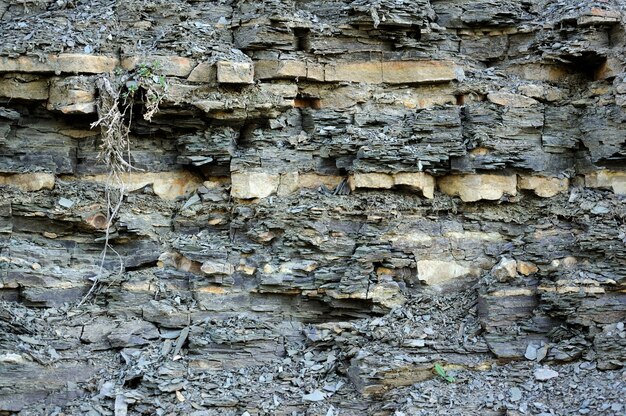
{"x":333,"y":197}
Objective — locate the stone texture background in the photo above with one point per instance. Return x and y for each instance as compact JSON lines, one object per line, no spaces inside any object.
{"x":333,"y":197}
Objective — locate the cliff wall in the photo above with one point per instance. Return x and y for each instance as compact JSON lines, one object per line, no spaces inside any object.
{"x":332,"y":199}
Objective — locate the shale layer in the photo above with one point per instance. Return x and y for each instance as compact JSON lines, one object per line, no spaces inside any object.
{"x":340,"y":207}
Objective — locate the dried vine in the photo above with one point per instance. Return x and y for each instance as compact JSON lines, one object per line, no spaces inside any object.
{"x":118,"y":94}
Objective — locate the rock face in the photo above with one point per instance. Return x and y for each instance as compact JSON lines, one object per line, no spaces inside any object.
{"x":333,"y":197}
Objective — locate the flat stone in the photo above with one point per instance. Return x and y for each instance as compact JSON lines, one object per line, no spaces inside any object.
{"x":29,"y":182}
{"x":63,"y":63}
{"x":370,"y":72}
{"x":72,"y":95}
{"x":475,"y":187}
{"x":203,"y":72}
{"x":505,"y":270}
{"x":615,"y":180}
{"x":235,"y":72}
{"x":175,"y":66}
{"x":24,"y":87}
{"x":407,"y":72}
{"x":373,"y":180}
{"x":543,"y":374}
{"x":314,"y":396}
{"x":543,"y":186}
{"x":526,"y":268}
{"x":250,"y":185}
{"x":433,"y":272}
{"x":515,"y":394}
{"x":166,"y":185}
{"x":211,"y":267}
{"x":508,"y":99}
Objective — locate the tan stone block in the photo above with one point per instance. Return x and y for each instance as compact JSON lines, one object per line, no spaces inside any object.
{"x":371,"y":180}
{"x":250,"y":185}
{"x":175,"y":66}
{"x":280,"y":69}
{"x":67,"y":62}
{"x":203,"y":72}
{"x":374,"y":180}
{"x":598,"y":16}
{"x":417,"y":180}
{"x":288,"y":183}
{"x":609,"y":68}
{"x":533,"y":90}
{"x":86,"y":64}
{"x":72,"y":95}
{"x":28,"y":182}
{"x":544,"y":187}
{"x":314,"y":72}
{"x":508,"y":99}
{"x":526,"y":268}
{"x":24,"y":86}
{"x":211,"y":267}
{"x":166,"y":185}
{"x":475,"y":187}
{"x":235,"y":72}
{"x":615,"y":180}
{"x":433,"y":272}
{"x":370,"y":72}
{"x":404,"y":72}
{"x":539,"y":72}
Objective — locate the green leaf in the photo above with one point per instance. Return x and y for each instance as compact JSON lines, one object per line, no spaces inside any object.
{"x":443,"y":374}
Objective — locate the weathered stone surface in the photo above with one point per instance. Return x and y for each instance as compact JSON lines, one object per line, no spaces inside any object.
{"x":29,"y":181}
{"x":23,"y":86}
{"x":417,"y":180}
{"x":166,"y":185}
{"x":250,"y":185}
{"x":508,"y":99}
{"x":72,"y":95}
{"x":615,"y":180}
{"x":279,"y":247}
{"x":393,"y":72}
{"x":62,"y":63}
{"x":543,"y":186}
{"x":235,"y":72}
{"x":433,"y":272}
{"x":176,"y":66}
{"x":472,"y":188}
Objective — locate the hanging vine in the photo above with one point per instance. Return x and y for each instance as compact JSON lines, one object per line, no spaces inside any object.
{"x":118,"y":95}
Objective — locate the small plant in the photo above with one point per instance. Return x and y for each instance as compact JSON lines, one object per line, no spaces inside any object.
{"x":443,"y":374}
{"x":118,"y":94}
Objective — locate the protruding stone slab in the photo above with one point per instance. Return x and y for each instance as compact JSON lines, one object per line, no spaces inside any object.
{"x":392,"y":72}
{"x":407,"y":72}
{"x":203,"y":72}
{"x":508,"y":99}
{"x":368,"y":72}
{"x":472,"y":188}
{"x":544,"y":187}
{"x":615,"y":180}
{"x":211,"y":267}
{"x":166,"y":185}
{"x":174,"y":66}
{"x":63,"y":63}
{"x":250,"y":185}
{"x":375,"y":180}
{"x":72,"y":95}
{"x":235,"y":72}
{"x":29,"y":181}
{"x":433,"y":272}
{"x":288,"y":69}
{"x":24,"y":86}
